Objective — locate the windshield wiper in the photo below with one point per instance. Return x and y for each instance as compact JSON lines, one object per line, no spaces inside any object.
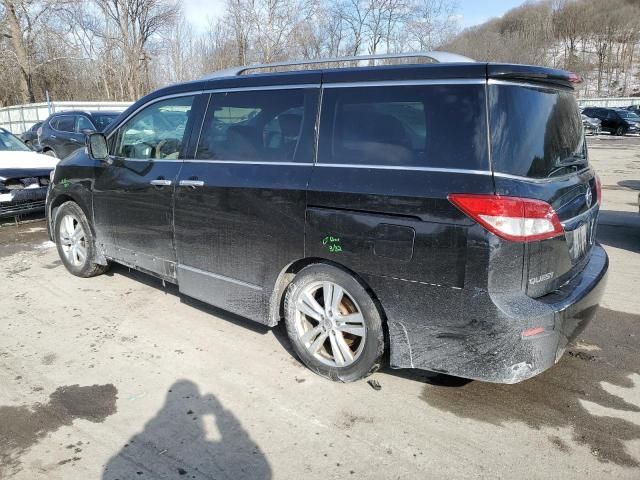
{"x":572,"y":161}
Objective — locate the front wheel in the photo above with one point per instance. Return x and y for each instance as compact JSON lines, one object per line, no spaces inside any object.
{"x":620,"y":131}
{"x":51,"y":153}
{"x":333,"y":324}
{"x":75,"y":242}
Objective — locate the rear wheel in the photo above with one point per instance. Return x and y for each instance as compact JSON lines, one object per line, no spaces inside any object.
{"x":51,"y":153}
{"x":75,"y":241}
{"x":333,"y":324}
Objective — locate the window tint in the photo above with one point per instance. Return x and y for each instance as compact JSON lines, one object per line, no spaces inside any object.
{"x":440,"y":126}
{"x":65,"y":123}
{"x":102,"y":121}
{"x":157,"y":131}
{"x":83,"y":123}
{"x":253,"y":126}
{"x":535,"y":132}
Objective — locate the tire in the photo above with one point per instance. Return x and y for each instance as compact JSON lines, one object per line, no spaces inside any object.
{"x":620,"y":131}
{"x":75,"y":242}
{"x":314,"y":331}
{"x":51,"y":153}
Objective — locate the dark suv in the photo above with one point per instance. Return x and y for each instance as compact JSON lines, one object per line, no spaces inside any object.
{"x":445,"y":212}
{"x":62,"y":133}
{"x":615,"y":121}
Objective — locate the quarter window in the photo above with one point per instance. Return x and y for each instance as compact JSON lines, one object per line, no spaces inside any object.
{"x":156,"y":132}
{"x":441,"y":126}
{"x":253,"y":126}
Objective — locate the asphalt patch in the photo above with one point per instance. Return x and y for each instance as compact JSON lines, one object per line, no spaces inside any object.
{"x":560,"y":397}
{"x":23,"y":426}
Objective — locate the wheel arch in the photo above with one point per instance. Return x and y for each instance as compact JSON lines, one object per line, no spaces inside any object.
{"x":288,"y":273}
{"x":63,"y":197}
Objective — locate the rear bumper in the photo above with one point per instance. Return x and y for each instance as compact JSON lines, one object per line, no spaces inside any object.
{"x":478,"y":334}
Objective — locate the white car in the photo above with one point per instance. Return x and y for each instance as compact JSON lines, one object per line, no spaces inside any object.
{"x":24,"y":176}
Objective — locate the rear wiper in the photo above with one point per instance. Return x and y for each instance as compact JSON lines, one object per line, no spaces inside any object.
{"x":573,"y":161}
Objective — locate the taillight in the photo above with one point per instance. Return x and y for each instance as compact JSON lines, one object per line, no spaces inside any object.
{"x":512,"y":218}
{"x":39,"y":132}
{"x":598,"y":190}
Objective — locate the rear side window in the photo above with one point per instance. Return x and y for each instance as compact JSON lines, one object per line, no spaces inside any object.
{"x":439,"y":126}
{"x":535,"y":132}
{"x":83,"y":123}
{"x":65,"y":123}
{"x":262,"y":125}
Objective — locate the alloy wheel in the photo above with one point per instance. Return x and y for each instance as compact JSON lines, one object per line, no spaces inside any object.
{"x":330,"y":324}
{"x":73,"y":240}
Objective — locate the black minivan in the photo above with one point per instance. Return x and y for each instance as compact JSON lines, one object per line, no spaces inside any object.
{"x":444,"y":213}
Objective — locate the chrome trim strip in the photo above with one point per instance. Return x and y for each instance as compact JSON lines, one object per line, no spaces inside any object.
{"x":296,"y":86}
{"x":220,"y":277}
{"x":413,"y":169}
{"x":400,"y":83}
{"x":249,"y":162}
{"x":541,"y":180}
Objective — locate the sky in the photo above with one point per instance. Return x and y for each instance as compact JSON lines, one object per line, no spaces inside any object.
{"x":472,"y":12}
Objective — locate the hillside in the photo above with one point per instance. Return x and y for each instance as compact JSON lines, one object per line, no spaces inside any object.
{"x":598,"y":40}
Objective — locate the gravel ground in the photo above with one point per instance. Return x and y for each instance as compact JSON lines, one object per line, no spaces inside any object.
{"x":118,"y":377}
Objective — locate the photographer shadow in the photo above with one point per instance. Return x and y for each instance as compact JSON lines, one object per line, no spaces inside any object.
{"x":176,"y":443}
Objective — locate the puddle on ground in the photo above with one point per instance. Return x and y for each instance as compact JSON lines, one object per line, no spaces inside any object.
{"x":560,"y":396}
{"x":23,"y":426}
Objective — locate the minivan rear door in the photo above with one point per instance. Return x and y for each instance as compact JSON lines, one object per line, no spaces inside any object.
{"x":539,"y":151}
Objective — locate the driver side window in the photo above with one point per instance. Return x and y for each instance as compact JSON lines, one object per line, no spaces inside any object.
{"x":155,"y":132}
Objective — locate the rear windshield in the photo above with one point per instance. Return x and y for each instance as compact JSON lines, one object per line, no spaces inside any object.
{"x":535,"y":132}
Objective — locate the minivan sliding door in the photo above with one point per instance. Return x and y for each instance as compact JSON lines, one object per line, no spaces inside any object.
{"x":240,"y":203}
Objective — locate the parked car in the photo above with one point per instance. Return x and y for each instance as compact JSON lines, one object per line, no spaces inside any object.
{"x":614,"y":121}
{"x":30,"y":136}
{"x":634,"y":108}
{"x":359,"y":206}
{"x":63,"y":133}
{"x":592,"y":126}
{"x":24,"y":176}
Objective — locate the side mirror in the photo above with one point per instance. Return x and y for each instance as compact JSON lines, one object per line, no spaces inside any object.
{"x":87,"y":131}
{"x":97,"y":146}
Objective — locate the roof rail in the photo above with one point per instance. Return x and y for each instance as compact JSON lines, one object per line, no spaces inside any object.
{"x":435,"y":57}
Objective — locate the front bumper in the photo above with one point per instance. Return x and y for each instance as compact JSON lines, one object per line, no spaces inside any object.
{"x":478,"y":334}
{"x":23,"y":201}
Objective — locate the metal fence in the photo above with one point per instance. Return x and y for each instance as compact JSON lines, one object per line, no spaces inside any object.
{"x":612,"y":102}
{"x":19,"y":118}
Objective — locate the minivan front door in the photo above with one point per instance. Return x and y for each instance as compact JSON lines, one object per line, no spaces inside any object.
{"x":133,"y":195}
{"x":240,"y":204}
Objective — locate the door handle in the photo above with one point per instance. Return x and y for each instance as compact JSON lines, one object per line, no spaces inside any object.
{"x":191,"y":183}
{"x":160,"y":182}
{"x":52,"y":136}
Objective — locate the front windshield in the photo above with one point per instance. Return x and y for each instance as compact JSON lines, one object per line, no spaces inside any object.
{"x":10,"y":143}
{"x":102,"y":121}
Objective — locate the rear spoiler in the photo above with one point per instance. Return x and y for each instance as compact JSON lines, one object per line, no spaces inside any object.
{"x":530,"y":73}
